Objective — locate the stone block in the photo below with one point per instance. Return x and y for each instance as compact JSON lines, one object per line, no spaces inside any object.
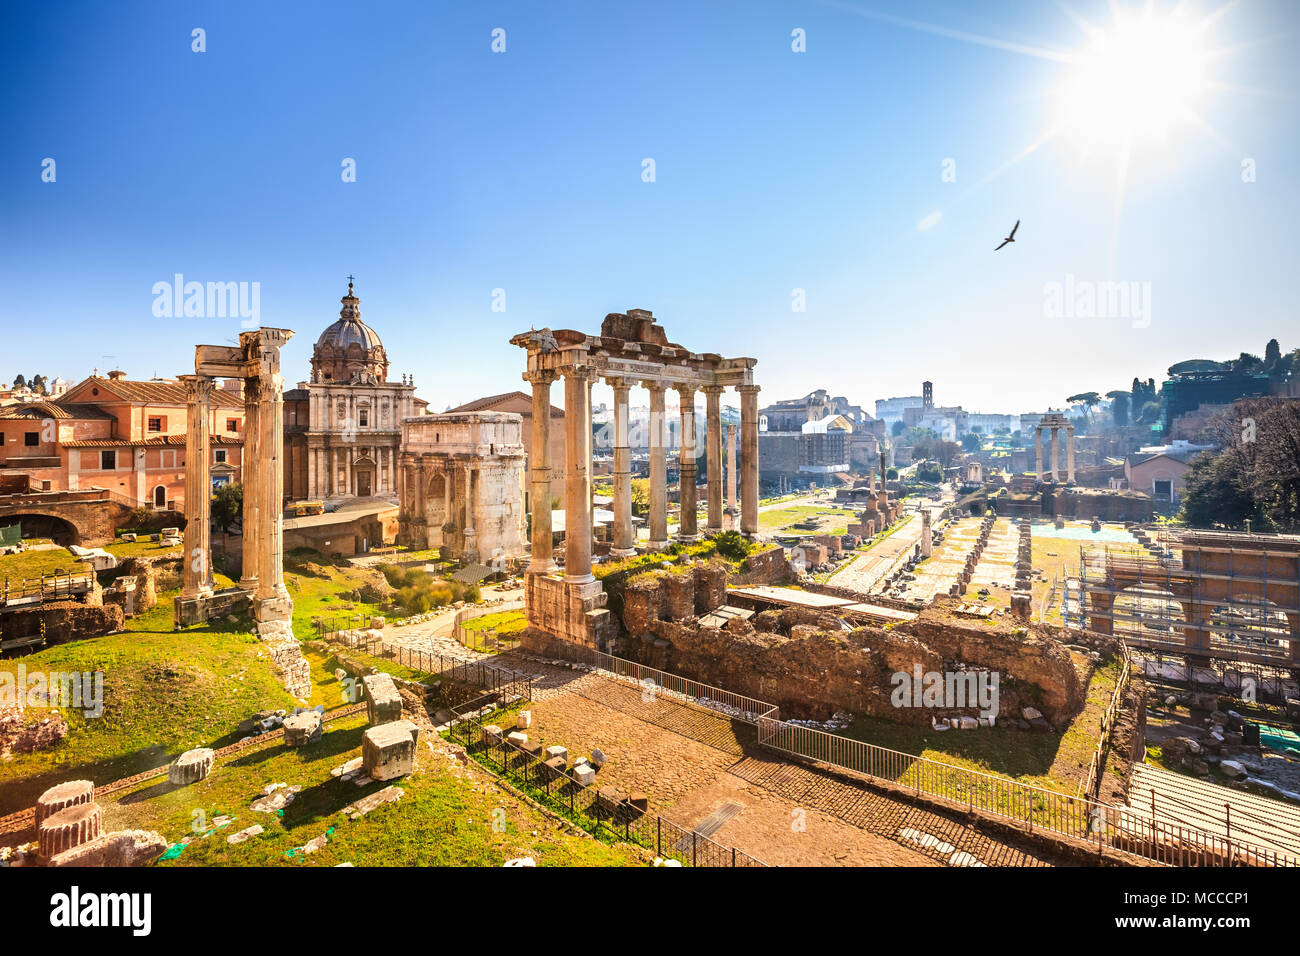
{"x":70,"y":827}
{"x":524,"y":720}
{"x":638,"y":802}
{"x":491,"y":734}
{"x":585,"y":775}
{"x":119,"y":849}
{"x":383,"y":702}
{"x":388,"y":750}
{"x":246,"y":834}
{"x":191,"y":766}
{"x":61,"y":796}
{"x":302,"y":729}
{"x":598,"y":757}
{"x":555,"y":768}
{"x":517,"y":737}
{"x":610,"y":798}
{"x":557,"y":750}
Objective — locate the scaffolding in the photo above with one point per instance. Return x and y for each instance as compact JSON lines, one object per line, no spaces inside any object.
{"x":1209,"y":595}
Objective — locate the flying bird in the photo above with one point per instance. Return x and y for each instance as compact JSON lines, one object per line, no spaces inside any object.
{"x":1012,"y":237}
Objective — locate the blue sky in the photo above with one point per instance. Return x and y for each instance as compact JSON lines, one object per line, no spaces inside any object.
{"x":522,"y":171}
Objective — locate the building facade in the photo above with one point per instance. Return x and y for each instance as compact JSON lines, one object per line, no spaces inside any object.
{"x":342,"y":429}
{"x":122,"y":435}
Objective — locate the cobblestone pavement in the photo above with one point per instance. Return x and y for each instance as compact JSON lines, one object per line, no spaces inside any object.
{"x":790,"y":814}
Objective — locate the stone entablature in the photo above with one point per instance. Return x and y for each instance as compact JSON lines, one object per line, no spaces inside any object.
{"x":1054,"y":423}
{"x":462,"y":485}
{"x":631,"y":350}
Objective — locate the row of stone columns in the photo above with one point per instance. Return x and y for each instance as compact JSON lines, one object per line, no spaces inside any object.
{"x":577,"y":505}
{"x":262,"y":478}
{"x":1056,"y":452}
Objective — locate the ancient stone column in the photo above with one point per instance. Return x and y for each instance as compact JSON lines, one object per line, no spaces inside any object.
{"x":1069,"y":455}
{"x":420,"y":519}
{"x":732,"y":511}
{"x":1038,"y":452}
{"x":311,"y":472}
{"x":270,"y":568}
{"x":250,"y":521}
{"x":713,"y":454}
{"x":686,"y":495}
{"x":540,"y":466}
{"x":577,"y":478}
{"x":926,"y":538}
{"x":749,"y":458}
{"x":623,"y":545}
{"x":448,"y":517}
{"x":658,"y":468}
{"x":1056,"y":454}
{"x":196,"y":568}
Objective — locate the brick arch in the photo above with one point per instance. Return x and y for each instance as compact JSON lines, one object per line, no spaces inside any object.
{"x":37,"y":524}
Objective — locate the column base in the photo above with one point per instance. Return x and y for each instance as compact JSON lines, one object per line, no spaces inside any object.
{"x":713,"y":529}
{"x":657,"y":545}
{"x":688,"y":538}
{"x":622,"y":552}
{"x":542,"y":566}
{"x":587,"y":578}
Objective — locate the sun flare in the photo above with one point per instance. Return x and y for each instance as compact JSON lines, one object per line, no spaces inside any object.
{"x":1137,"y":83}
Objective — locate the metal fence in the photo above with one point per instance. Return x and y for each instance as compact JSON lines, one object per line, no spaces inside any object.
{"x":1092,"y":780}
{"x":483,"y":641}
{"x":48,"y":587}
{"x":593,"y":809}
{"x":482,"y":674}
{"x":729,"y":704}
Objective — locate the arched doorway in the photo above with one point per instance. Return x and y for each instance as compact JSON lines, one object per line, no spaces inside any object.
{"x":160,"y":497}
{"x":363,"y":477}
{"x":59,"y":530}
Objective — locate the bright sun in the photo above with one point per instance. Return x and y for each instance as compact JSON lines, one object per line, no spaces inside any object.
{"x":1139,"y":80}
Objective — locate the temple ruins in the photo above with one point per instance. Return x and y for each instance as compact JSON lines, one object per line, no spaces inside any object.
{"x":1054,"y":423}
{"x":256,"y":360}
{"x":632,"y":349}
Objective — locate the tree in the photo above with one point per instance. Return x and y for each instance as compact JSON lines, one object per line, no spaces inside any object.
{"x":1086,"y":399}
{"x":19,"y":380}
{"x":971,"y":442}
{"x":1272,"y":353}
{"x":640,"y":494}
{"x":1119,"y":403}
{"x":946,"y":452}
{"x":897,"y":428}
{"x":1150,"y":412}
{"x":228,"y":505}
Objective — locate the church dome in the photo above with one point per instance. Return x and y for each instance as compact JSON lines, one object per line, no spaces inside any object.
{"x":349,"y":350}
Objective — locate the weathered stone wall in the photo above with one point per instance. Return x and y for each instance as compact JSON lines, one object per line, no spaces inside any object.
{"x":64,"y":621}
{"x":765,"y":567}
{"x":677,"y":595}
{"x":811,"y":664}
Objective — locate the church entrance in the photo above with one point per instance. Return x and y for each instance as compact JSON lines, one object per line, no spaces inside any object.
{"x":363,"y":484}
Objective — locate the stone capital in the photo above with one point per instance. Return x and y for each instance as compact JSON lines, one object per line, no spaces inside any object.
{"x":654,"y":386}
{"x":712,"y":389}
{"x":687,"y":392}
{"x":198,"y":387}
{"x":618,"y":383}
{"x":581,"y":373}
{"x":748,"y":389}
{"x":541,"y":376}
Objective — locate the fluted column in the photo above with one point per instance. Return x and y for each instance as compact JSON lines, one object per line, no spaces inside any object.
{"x":749,"y":459}
{"x":270,"y":567}
{"x":732,"y":511}
{"x":1069,"y":455}
{"x":687,"y":491}
{"x":713,"y":455}
{"x":540,"y":467}
{"x":196,"y":569}
{"x":311,"y":472}
{"x":1056,"y":454}
{"x":658,"y":468}
{"x":252,"y":482}
{"x":1038,"y":452}
{"x":623,"y":544}
{"x":577,"y":479}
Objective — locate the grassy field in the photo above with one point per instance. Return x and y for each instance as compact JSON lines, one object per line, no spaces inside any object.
{"x":449,"y":815}
{"x":165,"y":691}
{"x":1053,"y":761}
{"x":32,"y":564}
{"x":781,"y":519}
{"x":503,"y":622}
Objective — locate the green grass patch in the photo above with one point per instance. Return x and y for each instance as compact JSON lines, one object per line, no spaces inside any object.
{"x":32,"y":564}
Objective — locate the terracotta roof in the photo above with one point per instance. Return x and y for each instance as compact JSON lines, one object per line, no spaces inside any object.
{"x":55,"y":410}
{"x":154,"y":393}
{"x":492,"y":401}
